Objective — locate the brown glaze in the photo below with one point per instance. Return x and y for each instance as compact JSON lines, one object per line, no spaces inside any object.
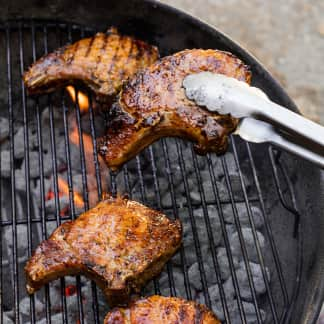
{"x":153,"y":104}
{"x":120,"y":244}
{"x":102,"y":63}
{"x":158,"y":309}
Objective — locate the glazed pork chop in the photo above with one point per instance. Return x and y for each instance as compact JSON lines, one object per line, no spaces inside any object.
{"x":153,"y":104}
{"x":102,"y":62}
{"x":120,"y":244}
{"x":158,"y":309}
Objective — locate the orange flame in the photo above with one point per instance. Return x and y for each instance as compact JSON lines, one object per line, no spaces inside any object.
{"x":83,"y":99}
{"x":89,"y":164}
{"x":87,"y":146}
{"x":64,"y":189}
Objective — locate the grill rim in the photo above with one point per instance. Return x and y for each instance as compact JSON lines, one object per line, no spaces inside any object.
{"x":281,"y":91}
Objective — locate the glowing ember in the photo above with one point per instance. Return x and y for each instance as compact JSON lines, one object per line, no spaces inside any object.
{"x":70,"y":290}
{"x":50,"y":195}
{"x":65,"y":212}
{"x":83,"y":99}
{"x":64,"y":189}
{"x":89,"y":152}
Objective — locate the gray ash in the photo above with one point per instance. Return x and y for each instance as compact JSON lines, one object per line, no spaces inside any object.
{"x":196,"y":200}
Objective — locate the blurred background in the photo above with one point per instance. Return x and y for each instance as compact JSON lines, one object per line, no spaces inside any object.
{"x":286,"y":36}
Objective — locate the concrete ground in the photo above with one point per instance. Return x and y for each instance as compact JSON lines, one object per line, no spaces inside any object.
{"x":286,"y":36}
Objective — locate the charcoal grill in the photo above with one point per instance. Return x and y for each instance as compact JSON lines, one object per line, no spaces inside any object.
{"x":287,"y":192}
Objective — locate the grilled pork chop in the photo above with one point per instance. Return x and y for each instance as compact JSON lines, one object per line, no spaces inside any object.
{"x":101,"y":62}
{"x":120,"y":244}
{"x":158,"y":309}
{"x":153,"y":104}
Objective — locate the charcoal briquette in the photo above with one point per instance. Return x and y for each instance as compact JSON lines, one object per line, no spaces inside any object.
{"x":249,"y":244}
{"x":195,"y":275}
{"x":223,"y":263}
{"x":5,"y":164}
{"x":242,"y":277}
{"x":243,"y":216}
{"x":249,"y":310}
{"x":4,"y":128}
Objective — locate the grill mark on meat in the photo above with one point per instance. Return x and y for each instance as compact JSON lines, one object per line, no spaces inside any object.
{"x":113,"y":60}
{"x":182,"y":313}
{"x":101,"y":62}
{"x":127,"y":47}
{"x":104,"y":45}
{"x":129,"y":56}
{"x":133,"y":53}
{"x":140,"y":51}
{"x":76,"y":47}
{"x":199,"y":315}
{"x":89,"y":47}
{"x":151,"y":50}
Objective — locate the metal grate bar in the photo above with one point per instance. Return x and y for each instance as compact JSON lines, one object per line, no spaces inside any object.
{"x":56,"y":191}
{"x":267,"y":225}
{"x":95,"y":306}
{"x":194,"y":227}
{"x":57,"y":202}
{"x":176,"y":215}
{"x":55,"y":179}
{"x":12,"y":177}
{"x":94,"y":143}
{"x":27,"y":171}
{"x":54,"y":166}
{"x":226,"y":242}
{"x":210,"y":236}
{"x":69,"y":176}
{"x":143,"y":197}
{"x":241,"y":239}
{"x":85,"y":197}
{"x":42,"y":193}
{"x":140,"y":178}
{"x":159,"y":205}
{"x":268,"y":229}
{"x":42,"y":180}
{"x":255,"y":236}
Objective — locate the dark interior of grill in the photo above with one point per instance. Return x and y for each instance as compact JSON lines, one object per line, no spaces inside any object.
{"x":243,"y":253}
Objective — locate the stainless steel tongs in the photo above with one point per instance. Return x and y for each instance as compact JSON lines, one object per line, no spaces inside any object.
{"x":261,"y":120}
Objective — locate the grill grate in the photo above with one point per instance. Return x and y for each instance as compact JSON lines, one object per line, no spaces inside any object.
{"x":167,"y":176}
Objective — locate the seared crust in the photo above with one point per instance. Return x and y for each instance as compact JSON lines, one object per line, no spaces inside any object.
{"x":101,"y":62}
{"x":120,"y":244}
{"x":153,"y":104}
{"x":158,"y":309}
